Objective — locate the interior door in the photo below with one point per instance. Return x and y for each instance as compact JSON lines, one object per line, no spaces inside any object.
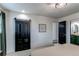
{"x":62,"y":32}
{"x":22,"y":37}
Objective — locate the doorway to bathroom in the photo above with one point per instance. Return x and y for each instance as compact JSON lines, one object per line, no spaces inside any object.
{"x":75,"y":32}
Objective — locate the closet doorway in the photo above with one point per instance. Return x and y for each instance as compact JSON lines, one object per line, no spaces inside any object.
{"x":22,"y":35}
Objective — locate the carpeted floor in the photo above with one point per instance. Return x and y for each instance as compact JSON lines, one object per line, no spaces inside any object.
{"x":57,"y":50}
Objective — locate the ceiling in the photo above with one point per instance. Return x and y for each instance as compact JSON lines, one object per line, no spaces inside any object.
{"x":42,"y":9}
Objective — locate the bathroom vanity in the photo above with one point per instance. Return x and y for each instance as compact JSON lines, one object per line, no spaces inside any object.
{"x":75,"y":38}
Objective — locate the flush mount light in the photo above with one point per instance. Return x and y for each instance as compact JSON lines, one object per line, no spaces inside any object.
{"x":22,"y":17}
{"x":57,"y":5}
{"x":23,"y":11}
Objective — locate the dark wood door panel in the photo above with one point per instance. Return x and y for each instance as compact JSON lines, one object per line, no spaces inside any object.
{"x":62,"y":32}
{"x":22,"y":36}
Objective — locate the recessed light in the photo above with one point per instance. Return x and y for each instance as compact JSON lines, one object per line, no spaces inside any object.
{"x":23,"y":11}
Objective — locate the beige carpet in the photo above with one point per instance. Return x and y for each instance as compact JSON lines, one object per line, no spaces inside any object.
{"x":20,"y":53}
{"x":57,"y":50}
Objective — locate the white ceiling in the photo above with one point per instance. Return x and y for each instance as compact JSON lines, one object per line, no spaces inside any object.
{"x":42,"y":9}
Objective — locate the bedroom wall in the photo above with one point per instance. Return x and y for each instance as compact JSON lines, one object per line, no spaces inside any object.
{"x":69,"y":18}
{"x":38,"y":39}
{"x":54,"y":31}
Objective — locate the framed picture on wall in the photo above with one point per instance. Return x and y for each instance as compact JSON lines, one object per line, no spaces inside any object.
{"x":42,"y":27}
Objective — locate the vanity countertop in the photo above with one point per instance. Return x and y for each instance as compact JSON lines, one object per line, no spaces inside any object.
{"x":77,"y":34}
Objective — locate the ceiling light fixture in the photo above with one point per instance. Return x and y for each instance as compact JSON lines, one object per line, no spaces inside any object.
{"x":57,"y":5}
{"x":23,"y":11}
{"x":22,"y":17}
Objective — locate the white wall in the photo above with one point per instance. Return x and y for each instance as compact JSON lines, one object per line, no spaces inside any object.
{"x":54,"y":31}
{"x":69,"y":18}
{"x":38,"y":39}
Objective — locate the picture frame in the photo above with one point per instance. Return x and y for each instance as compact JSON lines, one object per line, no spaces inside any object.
{"x":42,"y":27}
